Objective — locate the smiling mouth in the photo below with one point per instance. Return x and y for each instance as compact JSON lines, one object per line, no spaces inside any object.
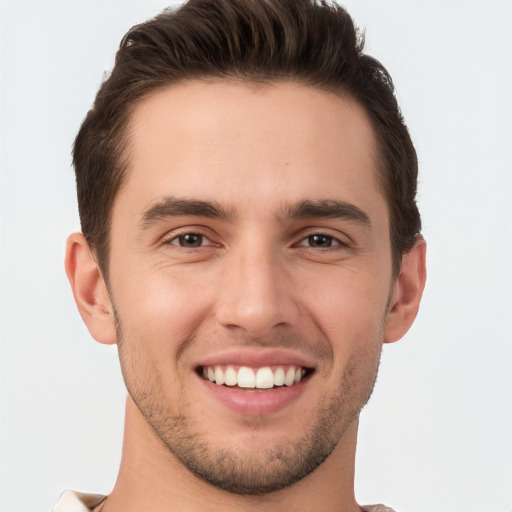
{"x":247,"y":378}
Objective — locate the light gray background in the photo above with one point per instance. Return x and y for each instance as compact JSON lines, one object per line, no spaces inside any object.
{"x":436,"y":435}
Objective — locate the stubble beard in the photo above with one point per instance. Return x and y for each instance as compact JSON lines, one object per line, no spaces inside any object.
{"x":253,"y":471}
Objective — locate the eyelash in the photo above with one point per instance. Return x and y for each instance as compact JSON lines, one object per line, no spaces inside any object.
{"x":334,"y":243}
{"x":332,"y":240}
{"x":176,"y":240}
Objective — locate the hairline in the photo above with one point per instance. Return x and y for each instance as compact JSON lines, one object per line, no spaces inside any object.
{"x":122,"y":165}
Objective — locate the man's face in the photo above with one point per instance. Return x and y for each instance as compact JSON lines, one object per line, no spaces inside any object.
{"x":250,"y":246}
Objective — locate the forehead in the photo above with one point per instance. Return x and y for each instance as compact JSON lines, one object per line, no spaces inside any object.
{"x":232,"y":142}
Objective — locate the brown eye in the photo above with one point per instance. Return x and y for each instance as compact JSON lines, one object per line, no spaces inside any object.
{"x":189,"y":241}
{"x":320,"y":241}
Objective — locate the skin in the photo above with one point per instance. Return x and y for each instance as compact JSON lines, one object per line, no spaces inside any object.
{"x":256,"y":283}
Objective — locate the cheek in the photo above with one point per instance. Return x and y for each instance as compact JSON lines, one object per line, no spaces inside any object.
{"x":349,"y":309}
{"x":161,"y":307}
{"x":158,"y":315}
{"x":346,"y":296}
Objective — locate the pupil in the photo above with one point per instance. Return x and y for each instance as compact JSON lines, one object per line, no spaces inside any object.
{"x":191,"y":240}
{"x":320,"y":240}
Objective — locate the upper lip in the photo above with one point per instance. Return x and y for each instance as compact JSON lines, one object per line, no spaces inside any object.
{"x":257,"y":358}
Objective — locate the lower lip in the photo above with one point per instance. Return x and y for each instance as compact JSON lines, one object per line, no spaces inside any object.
{"x":257,"y":402}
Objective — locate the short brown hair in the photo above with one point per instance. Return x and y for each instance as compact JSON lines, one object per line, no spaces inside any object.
{"x":313,"y":42}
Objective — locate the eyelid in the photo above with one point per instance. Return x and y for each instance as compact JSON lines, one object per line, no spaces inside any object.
{"x":171,"y":236}
{"x":335,"y":244}
{"x":341,"y":239}
{"x":335,"y":240}
{"x":175,"y":240}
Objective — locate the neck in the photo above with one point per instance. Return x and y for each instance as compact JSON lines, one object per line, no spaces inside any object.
{"x":151,"y":478}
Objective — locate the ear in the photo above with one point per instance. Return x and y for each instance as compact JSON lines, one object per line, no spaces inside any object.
{"x":89,"y":290}
{"x":407,"y":292}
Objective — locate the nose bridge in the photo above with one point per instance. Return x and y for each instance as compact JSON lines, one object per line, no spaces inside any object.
{"x":256,"y":295}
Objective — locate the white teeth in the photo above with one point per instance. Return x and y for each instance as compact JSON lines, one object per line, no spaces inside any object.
{"x":279,"y":377}
{"x":246,"y":378}
{"x":289,"y":379}
{"x":219,"y":375}
{"x":264,"y":378}
{"x":230,"y":377}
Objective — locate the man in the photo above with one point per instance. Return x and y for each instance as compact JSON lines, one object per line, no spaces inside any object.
{"x":246,"y":188}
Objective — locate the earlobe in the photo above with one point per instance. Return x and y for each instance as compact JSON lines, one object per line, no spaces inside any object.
{"x":407,"y":292}
{"x":89,"y":290}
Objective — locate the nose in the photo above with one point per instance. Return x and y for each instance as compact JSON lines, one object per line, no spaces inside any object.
{"x":257,"y":293}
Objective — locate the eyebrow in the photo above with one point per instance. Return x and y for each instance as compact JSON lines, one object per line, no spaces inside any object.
{"x":173,"y":207}
{"x":328,"y":208}
{"x":306,"y":209}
